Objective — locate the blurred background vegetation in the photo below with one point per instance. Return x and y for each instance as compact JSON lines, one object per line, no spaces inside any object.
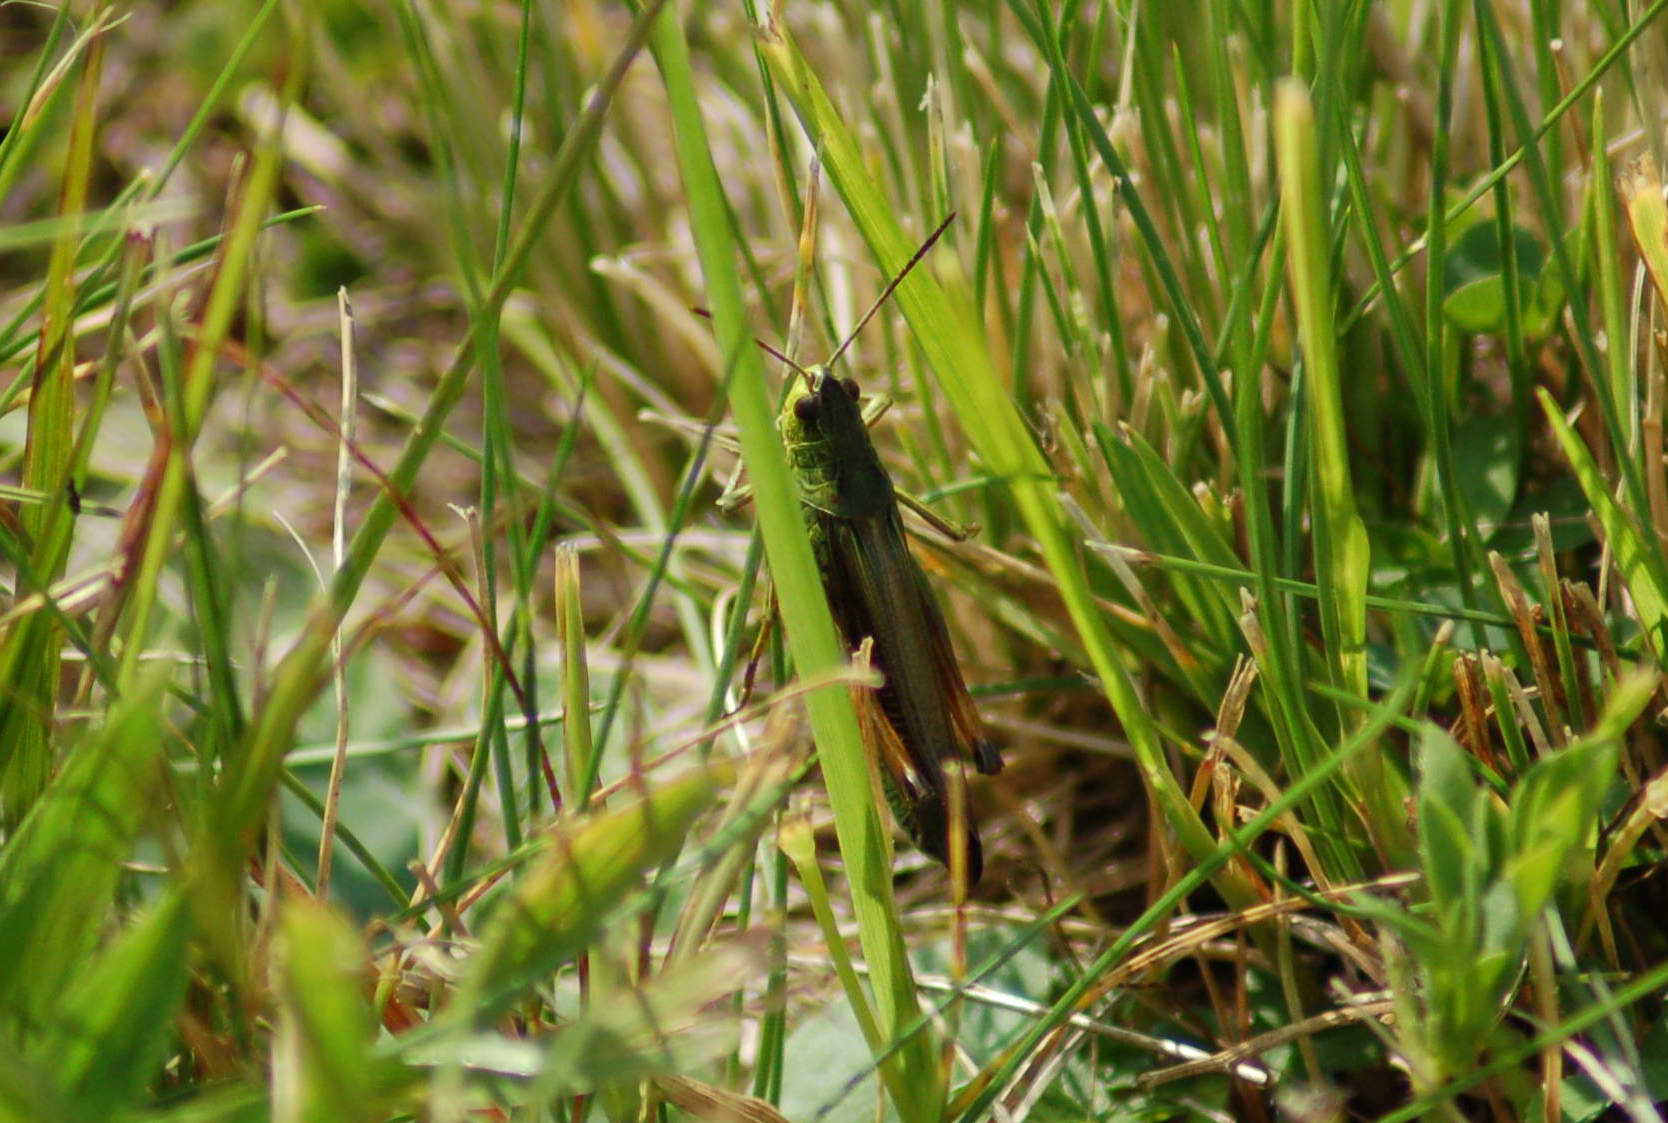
{"x":372,"y":638}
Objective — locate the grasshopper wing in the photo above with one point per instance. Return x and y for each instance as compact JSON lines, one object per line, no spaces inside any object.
{"x":876,"y":589}
{"x":964,"y":715}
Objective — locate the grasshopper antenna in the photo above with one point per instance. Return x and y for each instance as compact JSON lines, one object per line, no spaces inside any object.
{"x":763,"y":346}
{"x":890,"y":286}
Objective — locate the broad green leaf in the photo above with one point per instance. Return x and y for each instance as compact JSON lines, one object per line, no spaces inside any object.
{"x":1555,"y":808}
{"x":58,"y":873}
{"x":1474,"y":286}
{"x":1486,"y":466}
{"x":1473,"y":281}
{"x":322,"y":1067}
{"x":1477,"y":255}
{"x":1478,"y":307}
{"x":586,"y":867}
{"x":1446,"y":790}
{"x":110,"y":1032}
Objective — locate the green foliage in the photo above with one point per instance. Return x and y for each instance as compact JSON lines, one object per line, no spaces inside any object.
{"x":326,"y":1030}
{"x":61,"y":868}
{"x":1474,"y":285}
{"x":573,"y":884}
{"x":1491,"y":862}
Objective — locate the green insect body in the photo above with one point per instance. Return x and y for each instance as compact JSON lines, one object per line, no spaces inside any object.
{"x":923,"y":715}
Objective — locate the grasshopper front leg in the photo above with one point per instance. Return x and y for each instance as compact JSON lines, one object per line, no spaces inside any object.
{"x":751,"y":673}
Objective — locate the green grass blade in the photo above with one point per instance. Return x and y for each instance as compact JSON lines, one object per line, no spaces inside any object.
{"x":1342,"y":553}
{"x":297,"y":679}
{"x":805,"y":615}
{"x":323,"y":1068}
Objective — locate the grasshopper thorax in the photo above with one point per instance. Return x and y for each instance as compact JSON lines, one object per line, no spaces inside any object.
{"x":828,"y":442}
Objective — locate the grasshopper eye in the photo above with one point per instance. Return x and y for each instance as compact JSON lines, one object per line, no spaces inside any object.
{"x":805,"y":408}
{"x":851,"y":387}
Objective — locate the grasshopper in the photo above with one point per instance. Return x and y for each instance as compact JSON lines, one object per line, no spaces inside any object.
{"x":922,"y":716}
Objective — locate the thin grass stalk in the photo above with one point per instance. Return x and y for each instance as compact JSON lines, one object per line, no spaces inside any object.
{"x":638,"y":621}
{"x":92,"y":286}
{"x":1101,"y":254}
{"x":1608,"y":270}
{"x":210,"y":608}
{"x":38,"y":118}
{"x":577,"y":745}
{"x":1239,"y":202}
{"x":522,"y":560}
{"x":137,"y":250}
{"x":1158,"y":254}
{"x":1019,"y":365}
{"x":1463,"y":546}
{"x":771,"y":1059}
{"x":1635,"y":556}
{"x":26,"y":98}
{"x":1552,"y":217}
{"x":1200,"y":183}
{"x":1650,"y":561}
{"x":1510,"y":273}
{"x":497,"y":458}
{"x":543,"y":517}
{"x":1235,"y":575}
{"x":349,"y":424}
{"x":452,"y":141}
{"x":294,"y":785}
{"x":198,"y":382}
{"x":1159,"y":146}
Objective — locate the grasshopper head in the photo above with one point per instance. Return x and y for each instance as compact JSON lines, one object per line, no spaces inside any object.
{"x":823,"y":407}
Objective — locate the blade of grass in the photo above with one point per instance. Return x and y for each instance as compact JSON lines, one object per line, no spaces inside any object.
{"x":109,"y":1029}
{"x":59,"y":870}
{"x":198,"y":383}
{"x":1342,"y":553}
{"x":1158,"y":253}
{"x":30,"y":661}
{"x":805,"y":615}
{"x":151,"y":187}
